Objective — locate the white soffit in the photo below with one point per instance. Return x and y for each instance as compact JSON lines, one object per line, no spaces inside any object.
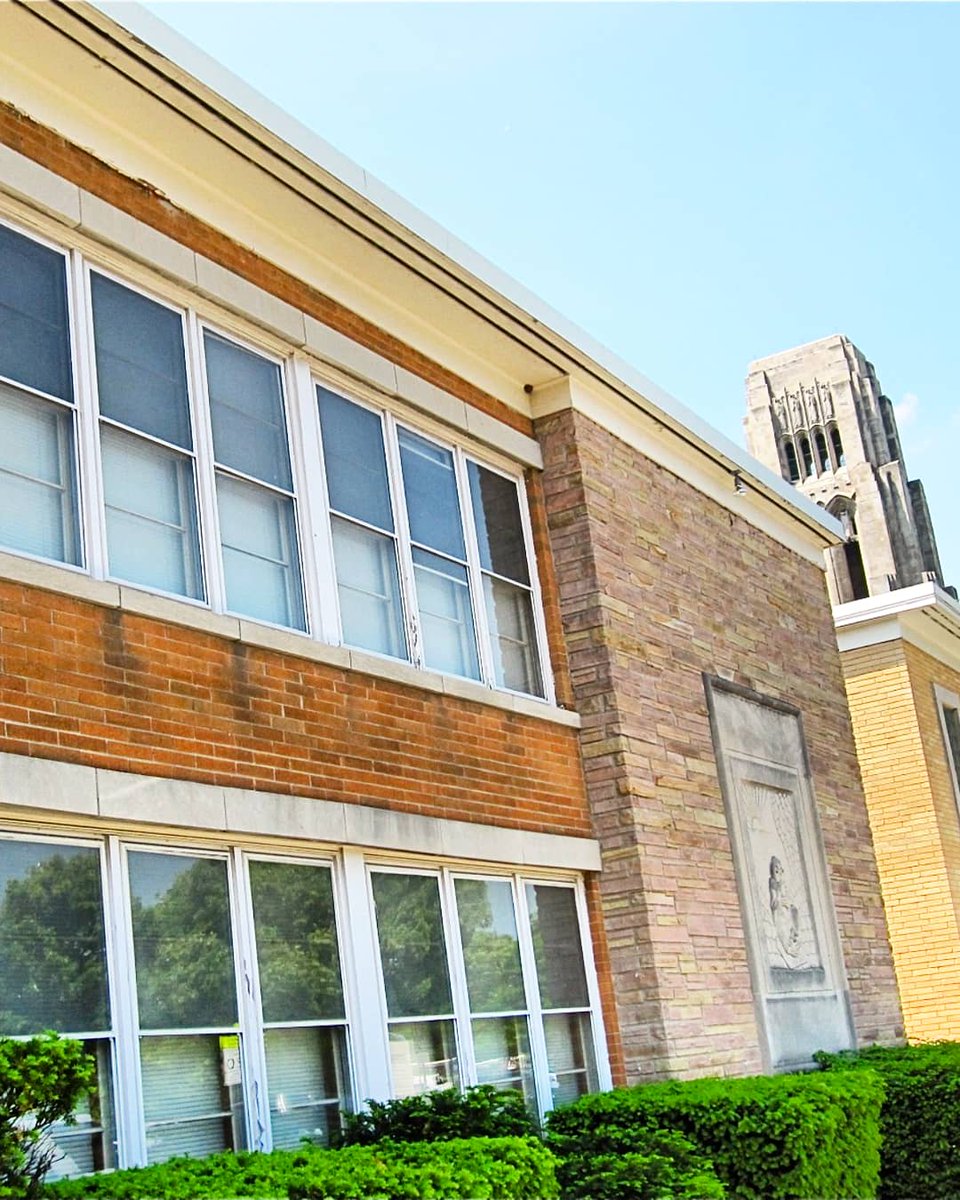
{"x":137,"y":93}
{"x":924,"y":615}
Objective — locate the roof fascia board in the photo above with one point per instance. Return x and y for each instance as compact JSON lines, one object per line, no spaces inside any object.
{"x":518,"y":312}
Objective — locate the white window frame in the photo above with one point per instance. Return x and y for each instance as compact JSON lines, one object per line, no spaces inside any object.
{"x":947,"y":700}
{"x":392,"y":422}
{"x":82,"y":566}
{"x":300,"y":376}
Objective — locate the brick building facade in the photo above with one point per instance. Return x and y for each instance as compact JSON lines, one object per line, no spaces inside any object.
{"x":397,"y":689}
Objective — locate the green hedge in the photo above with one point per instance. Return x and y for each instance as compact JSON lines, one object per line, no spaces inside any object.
{"x":647,"y":1164}
{"x":770,"y":1137}
{"x":471,"y":1169}
{"x":479,"y":1111}
{"x":920,"y":1118}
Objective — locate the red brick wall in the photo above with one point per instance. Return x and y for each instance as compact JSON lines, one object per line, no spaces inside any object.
{"x":657,"y":585}
{"x":88,"y":684}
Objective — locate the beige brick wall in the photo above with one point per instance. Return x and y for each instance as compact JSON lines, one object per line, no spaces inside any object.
{"x":916,"y":829}
{"x":658,"y":584}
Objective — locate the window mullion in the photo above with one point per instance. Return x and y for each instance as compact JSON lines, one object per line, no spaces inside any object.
{"x":531,"y":988}
{"x":474,"y":571}
{"x":408,"y":589}
{"x":604,"y":1078}
{"x":129,"y":1106}
{"x":93,"y":524}
{"x":536,"y":596}
{"x":253,"y":1062}
{"x":320,"y":576}
{"x":364,"y":978}
{"x":458,"y":980}
{"x":210,"y":554}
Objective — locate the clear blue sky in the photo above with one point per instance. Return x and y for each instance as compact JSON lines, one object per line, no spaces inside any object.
{"x":696,"y":185}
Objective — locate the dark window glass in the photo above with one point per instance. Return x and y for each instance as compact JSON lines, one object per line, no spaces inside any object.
{"x":837,"y":445}
{"x":793,"y":470}
{"x":182,"y":941}
{"x":412,"y":948}
{"x":556,"y":946}
{"x":496,"y":511}
{"x":807,"y":456}
{"x":296,"y":942}
{"x":34,"y":337}
{"x":246,"y":411}
{"x":141,"y":371}
{"x":823,"y":458}
{"x":430,"y":486}
{"x":353,"y":455}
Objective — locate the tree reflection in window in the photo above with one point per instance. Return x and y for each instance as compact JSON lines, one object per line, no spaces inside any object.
{"x":52,"y":956}
{"x":182,"y":942}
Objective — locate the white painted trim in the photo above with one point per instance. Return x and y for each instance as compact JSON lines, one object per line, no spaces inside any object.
{"x":238,"y":305}
{"x":924,"y":616}
{"x":289,"y":140}
{"x":97,"y":797}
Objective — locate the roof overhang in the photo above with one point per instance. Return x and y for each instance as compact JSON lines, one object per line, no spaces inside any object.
{"x":925,"y":616}
{"x":116,"y":80}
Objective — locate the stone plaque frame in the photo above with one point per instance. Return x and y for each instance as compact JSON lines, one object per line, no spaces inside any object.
{"x":793,"y":944}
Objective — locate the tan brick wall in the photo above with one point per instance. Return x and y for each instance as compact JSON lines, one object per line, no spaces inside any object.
{"x":658,"y":584}
{"x":915,"y":824}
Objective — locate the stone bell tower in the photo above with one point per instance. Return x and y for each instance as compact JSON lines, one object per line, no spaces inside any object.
{"x":816,"y":415}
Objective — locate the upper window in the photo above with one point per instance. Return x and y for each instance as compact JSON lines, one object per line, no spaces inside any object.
{"x":38,"y":487}
{"x":173,"y":461}
{"x":431,"y":551}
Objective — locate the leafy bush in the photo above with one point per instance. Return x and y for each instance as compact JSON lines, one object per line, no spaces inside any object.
{"x":480,"y":1111}
{"x":920,"y":1117}
{"x":775,"y":1137}
{"x":42,"y":1079}
{"x":478,"y":1169}
{"x":648,"y":1164}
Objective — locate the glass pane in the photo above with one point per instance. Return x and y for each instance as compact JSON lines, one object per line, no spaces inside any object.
{"x":951,"y":718}
{"x":187,"y":1107}
{"x":501,"y":1049}
{"x":90,"y":1144}
{"x":412,"y":947}
{"x":510,"y":617}
{"x":496,"y":512}
{"x":423,"y":1056}
{"x":181,"y":941}
{"x":141,"y":372}
{"x":354,"y":459}
{"x":570,"y":1058}
{"x":261,"y":563}
{"x":430,"y":487}
{"x":38,"y":504}
{"x":151,"y":514}
{"x":491,"y":949}
{"x":34,"y":338}
{"x":246,"y":411}
{"x":52,"y":955}
{"x":296,"y":942}
{"x":306,"y":1073}
{"x":371,"y":613}
{"x":446,"y":618}
{"x":556,"y":946}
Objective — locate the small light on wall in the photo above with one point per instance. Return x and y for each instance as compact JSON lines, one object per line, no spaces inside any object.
{"x":738,"y":485}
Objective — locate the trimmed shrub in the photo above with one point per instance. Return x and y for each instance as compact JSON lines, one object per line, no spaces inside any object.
{"x":481,"y":1111}
{"x":42,"y":1080}
{"x":471,"y":1169}
{"x":771,"y":1137}
{"x":920,"y":1117}
{"x":649,"y":1164}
